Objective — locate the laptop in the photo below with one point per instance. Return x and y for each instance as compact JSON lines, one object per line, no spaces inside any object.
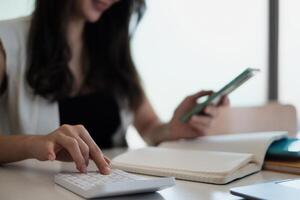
{"x":275,"y":190}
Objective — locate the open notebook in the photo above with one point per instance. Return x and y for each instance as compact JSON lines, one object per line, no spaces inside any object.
{"x":210,"y":159}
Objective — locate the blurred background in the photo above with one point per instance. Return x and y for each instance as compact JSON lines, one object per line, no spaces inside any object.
{"x":182,"y":47}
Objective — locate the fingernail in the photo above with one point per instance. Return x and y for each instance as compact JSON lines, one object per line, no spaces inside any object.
{"x":83,"y":169}
{"x":51,"y":157}
{"x":106,"y":170}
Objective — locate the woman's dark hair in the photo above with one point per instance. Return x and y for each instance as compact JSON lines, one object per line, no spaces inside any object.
{"x":107,"y":49}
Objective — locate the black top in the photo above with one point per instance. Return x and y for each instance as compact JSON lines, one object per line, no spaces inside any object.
{"x":97,"y":112}
{"x":3,"y":85}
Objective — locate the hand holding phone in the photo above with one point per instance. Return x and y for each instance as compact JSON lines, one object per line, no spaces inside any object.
{"x":226,"y":90}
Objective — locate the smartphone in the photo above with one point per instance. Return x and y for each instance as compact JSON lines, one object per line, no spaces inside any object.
{"x":216,"y":97}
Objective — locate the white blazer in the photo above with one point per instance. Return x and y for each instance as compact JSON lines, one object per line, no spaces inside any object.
{"x":22,"y":112}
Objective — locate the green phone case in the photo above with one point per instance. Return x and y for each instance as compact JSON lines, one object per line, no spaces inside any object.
{"x":215,"y":97}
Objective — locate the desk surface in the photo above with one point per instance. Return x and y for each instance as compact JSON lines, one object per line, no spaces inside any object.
{"x":32,"y":179}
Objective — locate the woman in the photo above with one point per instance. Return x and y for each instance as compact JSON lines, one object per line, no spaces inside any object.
{"x":70,"y":64}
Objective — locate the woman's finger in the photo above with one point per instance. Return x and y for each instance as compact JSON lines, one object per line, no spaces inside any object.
{"x":51,"y":151}
{"x":95,"y":152}
{"x":85,"y":151}
{"x":202,"y":120}
{"x":224,"y":101}
{"x":107,"y":160}
{"x":72,"y":146}
{"x":193,"y":98}
{"x":190,"y":101}
{"x":199,"y":129}
{"x":98,"y":157}
{"x":74,"y":133}
{"x":212,"y":111}
{"x":201,"y":94}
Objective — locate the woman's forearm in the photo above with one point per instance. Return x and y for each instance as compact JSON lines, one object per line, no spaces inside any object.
{"x":14,"y":148}
{"x":157,"y":134}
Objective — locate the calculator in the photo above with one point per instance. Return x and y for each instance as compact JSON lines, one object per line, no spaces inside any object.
{"x":96,"y":185}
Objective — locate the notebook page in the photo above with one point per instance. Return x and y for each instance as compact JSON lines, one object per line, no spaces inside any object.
{"x":187,"y":161}
{"x":252,"y":143}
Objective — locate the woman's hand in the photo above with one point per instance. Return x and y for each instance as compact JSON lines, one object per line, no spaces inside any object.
{"x":198,"y":125}
{"x":70,"y":143}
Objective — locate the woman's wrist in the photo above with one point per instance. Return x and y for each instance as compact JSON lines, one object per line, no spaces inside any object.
{"x":31,"y":146}
{"x":158,"y":134}
{"x":166,"y":132}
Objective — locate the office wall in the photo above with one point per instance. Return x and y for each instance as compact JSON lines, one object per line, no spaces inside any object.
{"x":289,"y":59}
{"x":15,"y":8}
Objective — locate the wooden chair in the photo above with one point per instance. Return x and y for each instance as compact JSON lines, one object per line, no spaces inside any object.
{"x":270,"y":117}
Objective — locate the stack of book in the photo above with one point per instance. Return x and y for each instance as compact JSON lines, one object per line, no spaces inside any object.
{"x":284,"y":156}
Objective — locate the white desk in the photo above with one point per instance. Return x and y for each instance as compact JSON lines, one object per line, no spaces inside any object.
{"x":32,"y":179}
